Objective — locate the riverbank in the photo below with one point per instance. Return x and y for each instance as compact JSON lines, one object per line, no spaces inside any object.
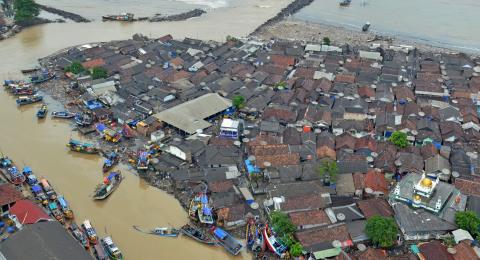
{"x":292,"y":29}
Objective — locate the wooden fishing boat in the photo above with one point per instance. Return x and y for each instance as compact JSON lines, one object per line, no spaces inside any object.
{"x":204,"y":211}
{"x":39,"y":194}
{"x":49,"y":191}
{"x":160,"y":231}
{"x":142,"y":161}
{"x":55,"y":212}
{"x":109,"y":185}
{"x":42,"y":112}
{"x":250,"y":233}
{"x":90,"y":232}
{"x":83,"y":119}
{"x":123,"y":17}
{"x":272,"y":243}
{"x":365,"y":27}
{"x":31,"y":70}
{"x":42,"y":77}
{"x":11,"y":172}
{"x":65,"y":207}
{"x":63,"y":114}
{"x":197,"y":234}
{"x":26,"y":100}
{"x":99,"y":252}
{"x":23,"y":91}
{"x":345,"y":3}
{"x":9,"y":83}
{"x":79,"y":235}
{"x":111,"y":160}
{"x":232,"y":245}
{"x":112,"y":250}
{"x":80,"y":147}
{"x":32,"y":180}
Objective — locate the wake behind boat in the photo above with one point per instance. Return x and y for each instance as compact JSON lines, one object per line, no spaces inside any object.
{"x":109,"y":185}
{"x":160,"y":231}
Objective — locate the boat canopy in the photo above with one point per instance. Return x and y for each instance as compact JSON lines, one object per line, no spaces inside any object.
{"x":27,"y":169}
{"x":204,"y":199}
{"x":207,"y":211}
{"x":36,"y":188}
{"x":52,"y":205}
{"x":112,"y":175}
{"x":220,"y":233}
{"x":100,"y":127}
{"x":108,"y":162}
{"x":62,"y":201}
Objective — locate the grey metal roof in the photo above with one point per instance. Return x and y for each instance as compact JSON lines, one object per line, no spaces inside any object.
{"x":43,"y":241}
{"x":190,"y":115}
{"x":420,"y":220}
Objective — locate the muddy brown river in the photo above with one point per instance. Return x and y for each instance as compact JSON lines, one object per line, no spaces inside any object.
{"x":41,"y":145}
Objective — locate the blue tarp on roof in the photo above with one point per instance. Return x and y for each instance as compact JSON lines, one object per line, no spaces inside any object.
{"x":92,"y":104}
{"x":251,"y":168}
{"x":220,"y":233}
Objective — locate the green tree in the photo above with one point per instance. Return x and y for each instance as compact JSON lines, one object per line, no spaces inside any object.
{"x":326,"y":40}
{"x":25,"y":10}
{"x":75,"y":68}
{"x":99,"y":73}
{"x":399,"y":139}
{"x":296,"y":249}
{"x":469,"y":221}
{"x":281,"y":223}
{"x":381,"y":230}
{"x":238,"y":101}
{"x":328,"y":169}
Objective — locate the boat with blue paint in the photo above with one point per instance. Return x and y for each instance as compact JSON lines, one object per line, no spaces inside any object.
{"x":11,"y":172}
{"x":111,"y":160}
{"x":232,"y":245}
{"x":65,"y":207}
{"x":111,"y":248}
{"x":26,"y":100}
{"x":109,"y":185}
{"x":81,"y":147}
{"x":42,"y":112}
{"x":63,"y":114}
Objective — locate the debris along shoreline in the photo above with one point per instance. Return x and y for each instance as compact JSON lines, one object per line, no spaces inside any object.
{"x":67,"y":15}
{"x":239,"y":130}
{"x":178,"y":17}
{"x":291,"y":9}
{"x":294,"y":29}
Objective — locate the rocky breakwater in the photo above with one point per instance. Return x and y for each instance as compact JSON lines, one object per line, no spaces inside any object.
{"x":292,"y":8}
{"x":67,"y":15}
{"x":177,"y":17}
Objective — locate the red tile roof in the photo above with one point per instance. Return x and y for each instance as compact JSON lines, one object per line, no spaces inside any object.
{"x":93,"y":63}
{"x":270,"y":149}
{"x":311,"y":217}
{"x":464,"y":251}
{"x":359,"y":181}
{"x":313,"y":237}
{"x":28,"y":212}
{"x":282,"y":60}
{"x":312,"y":201}
{"x":326,"y":151}
{"x":345,"y":78}
{"x":375,"y":180}
{"x":375,"y":206}
{"x":166,"y":38}
{"x":278,"y":160}
{"x":176,"y":61}
{"x":372,"y":254}
{"x":435,"y":250}
{"x":280,"y":114}
{"x":8,"y":194}
{"x":220,"y":186}
{"x":468,"y":187}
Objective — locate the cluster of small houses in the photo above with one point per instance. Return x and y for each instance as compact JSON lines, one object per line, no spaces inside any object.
{"x":303,"y":104}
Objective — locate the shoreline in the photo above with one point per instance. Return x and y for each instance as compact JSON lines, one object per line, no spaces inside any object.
{"x":299,"y":30}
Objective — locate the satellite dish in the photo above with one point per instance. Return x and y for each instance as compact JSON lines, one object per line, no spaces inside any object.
{"x":341,"y":216}
{"x":263,"y":142}
{"x":455,"y":174}
{"x":445,"y":171}
{"x":368,"y":190}
{"x":251,"y":158}
{"x":254,"y":205}
{"x":267,"y":164}
{"x":452,"y":250}
{"x":369,"y":159}
{"x":237,"y":143}
{"x":421,"y":113}
{"x":199,"y":131}
{"x":374,"y":154}
{"x":336,"y":243}
{"x":245,"y":140}
{"x":361,"y":247}
{"x":246,"y":132}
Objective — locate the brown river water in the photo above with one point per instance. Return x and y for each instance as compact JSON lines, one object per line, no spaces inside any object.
{"x":41,"y":145}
